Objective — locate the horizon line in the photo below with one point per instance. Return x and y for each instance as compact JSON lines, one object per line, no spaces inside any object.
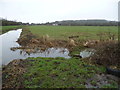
{"x":58,"y":20}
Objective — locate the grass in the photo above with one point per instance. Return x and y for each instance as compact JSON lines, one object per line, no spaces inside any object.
{"x":58,"y":73}
{"x":77,"y":50}
{"x":7,"y":28}
{"x":63,"y":32}
{"x":109,"y":86}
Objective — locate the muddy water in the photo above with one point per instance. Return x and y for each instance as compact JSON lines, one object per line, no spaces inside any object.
{"x":9,"y":40}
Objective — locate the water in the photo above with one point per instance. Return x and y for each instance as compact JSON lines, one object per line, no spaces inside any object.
{"x":87,"y":53}
{"x":9,"y":40}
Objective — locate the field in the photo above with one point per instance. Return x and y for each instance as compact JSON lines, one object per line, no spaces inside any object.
{"x":7,"y":28}
{"x":59,"y":72}
{"x":63,"y":32}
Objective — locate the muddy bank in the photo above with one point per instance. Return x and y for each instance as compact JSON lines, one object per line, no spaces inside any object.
{"x":30,"y":41}
{"x":27,"y":39}
{"x":103,"y":80}
{"x":12,"y":74}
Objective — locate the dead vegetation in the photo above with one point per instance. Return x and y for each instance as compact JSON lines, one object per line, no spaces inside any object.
{"x":91,"y":43}
{"x":29,"y":41}
{"x":107,"y":54}
{"x":106,"y":36}
{"x":106,"y":50}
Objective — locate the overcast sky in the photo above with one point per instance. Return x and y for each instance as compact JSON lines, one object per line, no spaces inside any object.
{"x":40,"y":11}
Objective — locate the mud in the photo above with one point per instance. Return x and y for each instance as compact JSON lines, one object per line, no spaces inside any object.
{"x":100,"y":80}
{"x":12,"y":74}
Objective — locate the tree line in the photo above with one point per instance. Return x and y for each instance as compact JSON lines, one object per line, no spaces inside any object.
{"x":100,"y":22}
{"x":85,"y":23}
{"x":6,"y":22}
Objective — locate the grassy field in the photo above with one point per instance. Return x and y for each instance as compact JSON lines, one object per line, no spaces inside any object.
{"x":63,"y":32}
{"x":58,"y":73}
{"x":55,"y":73}
{"x":9,"y":27}
{"x":4,"y":29}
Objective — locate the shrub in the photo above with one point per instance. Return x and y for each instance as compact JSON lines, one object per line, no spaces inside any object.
{"x":107,"y":54}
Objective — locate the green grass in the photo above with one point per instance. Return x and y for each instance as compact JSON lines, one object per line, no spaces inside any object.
{"x":63,"y":32}
{"x":7,"y":28}
{"x":58,"y":73}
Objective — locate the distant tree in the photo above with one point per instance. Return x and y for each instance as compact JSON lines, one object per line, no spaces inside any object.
{"x":8,"y":22}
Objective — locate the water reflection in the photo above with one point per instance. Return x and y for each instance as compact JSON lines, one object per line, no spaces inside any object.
{"x":9,"y":40}
{"x":87,"y":53}
{"x":50,"y":52}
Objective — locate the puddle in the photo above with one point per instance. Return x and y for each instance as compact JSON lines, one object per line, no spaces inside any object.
{"x":9,"y":40}
{"x":87,"y":53}
{"x":50,"y":52}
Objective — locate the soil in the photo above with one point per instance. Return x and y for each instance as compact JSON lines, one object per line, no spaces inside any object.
{"x":101,"y":80}
{"x":12,"y":74}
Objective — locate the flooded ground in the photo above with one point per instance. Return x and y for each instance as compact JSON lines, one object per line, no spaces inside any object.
{"x":9,"y":40}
